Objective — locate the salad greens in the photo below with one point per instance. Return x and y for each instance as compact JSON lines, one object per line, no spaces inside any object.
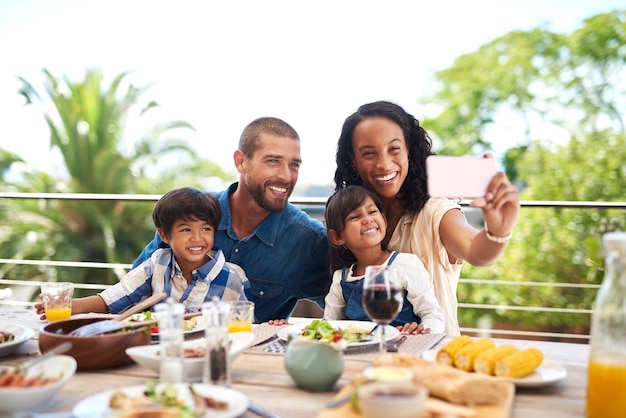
{"x":168,"y":396}
{"x":322,"y":330}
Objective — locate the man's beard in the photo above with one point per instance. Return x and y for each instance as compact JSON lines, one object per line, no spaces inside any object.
{"x":257,"y":191}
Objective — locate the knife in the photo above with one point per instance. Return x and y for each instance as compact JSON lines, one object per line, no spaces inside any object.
{"x":261,"y":411}
{"x":265,"y":341}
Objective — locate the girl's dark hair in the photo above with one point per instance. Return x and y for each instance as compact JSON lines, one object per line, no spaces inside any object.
{"x":338,"y":207}
{"x":188,"y":204}
{"x":414,"y":191}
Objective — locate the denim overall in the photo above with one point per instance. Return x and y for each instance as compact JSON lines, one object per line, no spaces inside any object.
{"x":352,"y":292}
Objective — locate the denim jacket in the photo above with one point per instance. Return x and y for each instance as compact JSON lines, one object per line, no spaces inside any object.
{"x":285,"y":258}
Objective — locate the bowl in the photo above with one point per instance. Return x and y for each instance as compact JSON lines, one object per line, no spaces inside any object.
{"x":314,"y":365}
{"x":98,"y":352}
{"x":193,"y":367}
{"x":391,"y":399}
{"x":21,"y":399}
{"x":21,"y":334}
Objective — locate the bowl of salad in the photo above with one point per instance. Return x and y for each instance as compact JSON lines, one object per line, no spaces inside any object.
{"x":102,"y":351}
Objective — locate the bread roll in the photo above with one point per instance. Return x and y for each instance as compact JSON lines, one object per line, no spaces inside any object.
{"x":451,"y":384}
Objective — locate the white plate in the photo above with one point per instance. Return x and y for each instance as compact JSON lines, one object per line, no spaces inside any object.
{"x":391,"y":333}
{"x":148,"y":355}
{"x":21,"y":333}
{"x":548,"y":372}
{"x":98,"y":405}
{"x":198,"y":330}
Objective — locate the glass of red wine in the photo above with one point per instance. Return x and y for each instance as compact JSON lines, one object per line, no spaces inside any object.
{"x":382,"y":298}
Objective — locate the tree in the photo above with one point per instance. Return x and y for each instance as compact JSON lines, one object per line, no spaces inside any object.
{"x":532,"y":81}
{"x":87,"y":121}
{"x":562,"y":100}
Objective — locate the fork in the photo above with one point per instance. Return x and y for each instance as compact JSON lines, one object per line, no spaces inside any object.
{"x":392,"y":347}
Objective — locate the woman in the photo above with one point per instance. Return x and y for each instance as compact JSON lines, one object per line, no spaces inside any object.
{"x":384,"y":148}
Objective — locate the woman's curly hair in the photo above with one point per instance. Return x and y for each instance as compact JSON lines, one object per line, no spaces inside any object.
{"x":414,"y":192}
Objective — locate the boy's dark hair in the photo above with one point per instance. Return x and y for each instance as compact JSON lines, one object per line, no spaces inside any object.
{"x":338,"y":206}
{"x":188,"y":204}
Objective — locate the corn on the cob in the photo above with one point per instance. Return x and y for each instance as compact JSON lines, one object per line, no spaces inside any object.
{"x":446,"y":354}
{"x":464,"y":358}
{"x":519,"y":364}
{"x":486,"y":361}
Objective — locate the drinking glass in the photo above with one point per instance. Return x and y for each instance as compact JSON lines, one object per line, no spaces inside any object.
{"x":241,"y":316}
{"x":57,"y":300}
{"x":382,"y":298}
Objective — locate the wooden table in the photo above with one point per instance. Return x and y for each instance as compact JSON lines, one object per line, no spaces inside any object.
{"x":261,"y":376}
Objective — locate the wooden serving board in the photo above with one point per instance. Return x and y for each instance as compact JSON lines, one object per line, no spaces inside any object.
{"x":503,"y":410}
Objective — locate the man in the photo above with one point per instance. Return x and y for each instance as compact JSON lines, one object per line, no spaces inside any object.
{"x":283,"y":251}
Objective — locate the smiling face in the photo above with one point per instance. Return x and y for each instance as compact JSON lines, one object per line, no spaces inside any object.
{"x":191,"y":241}
{"x":363,"y":227}
{"x":380,"y":155}
{"x":270,"y":175}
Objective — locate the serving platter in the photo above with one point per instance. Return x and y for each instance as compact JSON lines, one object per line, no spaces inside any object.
{"x":391,"y":333}
{"x":98,"y":405}
{"x":548,"y":372}
{"x":21,"y":334}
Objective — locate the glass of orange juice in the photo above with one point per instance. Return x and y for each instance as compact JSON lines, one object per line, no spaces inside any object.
{"x":57,"y":300}
{"x":241,"y":316}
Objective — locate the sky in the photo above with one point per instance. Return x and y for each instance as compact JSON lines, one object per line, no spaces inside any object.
{"x":221,"y":64}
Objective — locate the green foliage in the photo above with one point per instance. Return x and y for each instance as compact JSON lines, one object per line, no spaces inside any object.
{"x":573,"y":83}
{"x":87,"y":121}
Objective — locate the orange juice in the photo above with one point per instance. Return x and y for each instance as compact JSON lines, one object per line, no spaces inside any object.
{"x":239,"y":326}
{"x":606,"y":389}
{"x":58,"y":313}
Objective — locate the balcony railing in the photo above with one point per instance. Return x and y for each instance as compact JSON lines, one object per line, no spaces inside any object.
{"x":315,"y":207}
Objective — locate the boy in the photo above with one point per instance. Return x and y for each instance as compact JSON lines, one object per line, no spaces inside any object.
{"x":188,"y":270}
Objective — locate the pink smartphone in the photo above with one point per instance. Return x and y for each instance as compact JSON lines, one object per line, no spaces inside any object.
{"x":458,"y":177}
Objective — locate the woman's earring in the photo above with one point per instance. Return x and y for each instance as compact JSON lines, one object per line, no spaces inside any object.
{"x":354,"y":175}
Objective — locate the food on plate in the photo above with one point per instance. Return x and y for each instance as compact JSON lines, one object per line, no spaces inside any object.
{"x":194,"y":352}
{"x":17,"y":379}
{"x":323,"y":331}
{"x":188,"y":324}
{"x":446,"y":354}
{"x":486,"y":361}
{"x":165,"y":402}
{"x":6,"y":337}
{"x":464,"y":357}
{"x":519,"y":364}
{"x":203,"y":403}
{"x":482,"y":356}
{"x":450,"y":384}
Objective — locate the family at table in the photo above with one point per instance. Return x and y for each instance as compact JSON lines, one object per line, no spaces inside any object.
{"x":249,"y":242}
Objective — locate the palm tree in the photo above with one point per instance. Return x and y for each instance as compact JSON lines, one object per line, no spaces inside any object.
{"x":87,"y":121}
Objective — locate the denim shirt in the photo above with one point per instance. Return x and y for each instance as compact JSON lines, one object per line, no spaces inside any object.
{"x":285,"y":258}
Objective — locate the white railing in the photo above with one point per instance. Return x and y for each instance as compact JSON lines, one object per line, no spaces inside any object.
{"x":317,"y":203}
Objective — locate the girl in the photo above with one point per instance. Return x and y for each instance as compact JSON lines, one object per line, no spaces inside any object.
{"x":356,"y":228}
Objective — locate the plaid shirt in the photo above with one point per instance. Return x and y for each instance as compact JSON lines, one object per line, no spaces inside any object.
{"x":161,"y":273}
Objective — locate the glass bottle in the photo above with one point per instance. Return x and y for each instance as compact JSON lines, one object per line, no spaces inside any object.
{"x":606,"y":383}
{"x":171,"y":340}
{"x":216,"y":367}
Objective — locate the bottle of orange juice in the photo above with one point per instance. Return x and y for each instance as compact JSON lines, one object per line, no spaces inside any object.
{"x":606,"y":383}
